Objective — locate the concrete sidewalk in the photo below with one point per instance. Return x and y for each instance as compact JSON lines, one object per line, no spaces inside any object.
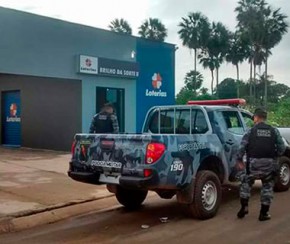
{"x":36,"y":181}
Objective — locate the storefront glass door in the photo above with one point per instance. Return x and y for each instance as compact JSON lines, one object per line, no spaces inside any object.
{"x":116,"y":97}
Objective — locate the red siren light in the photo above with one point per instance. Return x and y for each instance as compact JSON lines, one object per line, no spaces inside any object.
{"x":232,"y":101}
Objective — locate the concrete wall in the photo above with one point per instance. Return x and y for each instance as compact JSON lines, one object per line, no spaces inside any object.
{"x":50,"y":110}
{"x":46,"y":47}
{"x":32,"y":45}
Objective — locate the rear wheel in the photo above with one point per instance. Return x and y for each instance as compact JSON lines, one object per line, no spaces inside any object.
{"x":130,"y":199}
{"x":207,"y":195}
{"x":283,"y":179}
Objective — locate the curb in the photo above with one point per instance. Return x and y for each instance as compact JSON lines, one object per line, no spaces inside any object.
{"x":52,"y":214}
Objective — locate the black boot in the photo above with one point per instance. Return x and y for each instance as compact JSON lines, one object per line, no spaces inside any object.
{"x":244,"y":208}
{"x":264,"y":215}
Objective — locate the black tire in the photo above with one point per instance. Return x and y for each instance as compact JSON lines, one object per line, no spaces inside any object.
{"x":130,"y":199}
{"x":206,"y":196}
{"x":282,"y":182}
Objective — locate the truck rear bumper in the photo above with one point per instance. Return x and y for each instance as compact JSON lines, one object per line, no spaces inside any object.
{"x":86,"y":177}
{"x":134,"y":182}
{"x":82,"y":174}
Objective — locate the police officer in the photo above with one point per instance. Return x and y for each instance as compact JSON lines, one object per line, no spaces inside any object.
{"x":262,"y":144}
{"x":105,"y":121}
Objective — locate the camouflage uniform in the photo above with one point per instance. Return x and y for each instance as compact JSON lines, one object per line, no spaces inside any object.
{"x":259,"y":168}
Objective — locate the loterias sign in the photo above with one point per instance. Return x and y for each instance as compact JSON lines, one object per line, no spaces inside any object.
{"x":108,"y":67}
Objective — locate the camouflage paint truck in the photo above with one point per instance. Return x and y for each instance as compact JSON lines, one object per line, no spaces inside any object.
{"x":184,"y":151}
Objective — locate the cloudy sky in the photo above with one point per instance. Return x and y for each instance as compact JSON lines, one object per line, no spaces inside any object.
{"x":100,"y":13}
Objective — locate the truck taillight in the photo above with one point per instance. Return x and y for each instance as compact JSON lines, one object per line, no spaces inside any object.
{"x":147,"y":172}
{"x":73,"y":147}
{"x":154,"y":152}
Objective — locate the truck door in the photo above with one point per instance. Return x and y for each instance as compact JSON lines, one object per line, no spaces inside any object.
{"x":233,"y":130}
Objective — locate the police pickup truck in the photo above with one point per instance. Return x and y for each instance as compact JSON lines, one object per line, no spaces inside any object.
{"x":188,"y":151}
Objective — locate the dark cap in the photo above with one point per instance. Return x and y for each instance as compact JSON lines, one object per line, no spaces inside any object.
{"x":261,"y":113}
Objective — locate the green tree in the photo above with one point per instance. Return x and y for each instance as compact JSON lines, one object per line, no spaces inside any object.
{"x":227,"y":88}
{"x":219,"y":43}
{"x":237,"y":53}
{"x":264,"y":27}
{"x":281,"y":114}
{"x":213,"y":54}
{"x":193,"y":80}
{"x":275,"y":27}
{"x":192,"y":89}
{"x":276,"y":91}
{"x":186,"y":95}
{"x":120,"y":26}
{"x":250,"y":19}
{"x":203,"y":91}
{"x":153,"y":29}
{"x":194,"y":33}
{"x":208,"y":61}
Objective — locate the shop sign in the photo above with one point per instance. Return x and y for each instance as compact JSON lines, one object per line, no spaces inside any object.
{"x":108,"y":67}
{"x":88,"y":65}
{"x":12,"y":117}
{"x":156,"y":85}
{"x":118,"y":68}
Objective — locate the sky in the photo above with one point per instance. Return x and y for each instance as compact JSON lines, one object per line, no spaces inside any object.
{"x":99,"y":14}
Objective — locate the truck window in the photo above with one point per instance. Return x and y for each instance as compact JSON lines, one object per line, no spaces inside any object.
{"x":153,"y":123}
{"x":199,"y":124}
{"x":180,"y":118}
{"x":233,"y":122}
{"x":248,"y":119}
{"x":182,"y":121}
{"x":167,"y":121}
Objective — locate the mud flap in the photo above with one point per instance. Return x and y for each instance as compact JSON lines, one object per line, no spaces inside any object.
{"x":185,"y":195}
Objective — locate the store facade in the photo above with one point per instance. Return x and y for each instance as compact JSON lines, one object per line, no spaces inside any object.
{"x":55,"y":75}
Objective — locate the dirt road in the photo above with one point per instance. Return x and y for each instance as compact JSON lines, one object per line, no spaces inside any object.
{"x":120,"y":226}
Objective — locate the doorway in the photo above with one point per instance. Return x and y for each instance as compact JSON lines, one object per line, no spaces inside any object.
{"x":11,"y":119}
{"x":116,"y":96}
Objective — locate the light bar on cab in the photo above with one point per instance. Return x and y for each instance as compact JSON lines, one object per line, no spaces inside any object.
{"x":232,"y":101}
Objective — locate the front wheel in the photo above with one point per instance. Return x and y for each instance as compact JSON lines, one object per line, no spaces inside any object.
{"x":283,"y":179}
{"x":207,"y":195}
{"x":130,"y":199}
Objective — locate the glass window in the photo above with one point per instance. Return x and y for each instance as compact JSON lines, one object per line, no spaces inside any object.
{"x":167,"y":121}
{"x":233,"y":122}
{"x":153,"y":123}
{"x":182,"y":121}
{"x":180,"y":118}
{"x":248,"y":119}
{"x":199,"y":123}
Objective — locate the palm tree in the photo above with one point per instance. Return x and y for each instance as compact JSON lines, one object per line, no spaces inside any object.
{"x":203,"y":91}
{"x":274,"y":28}
{"x":249,"y":25}
{"x":153,"y":29}
{"x":236,"y":54}
{"x":218,"y":45}
{"x":264,"y":28}
{"x":214,"y":48}
{"x":194,"y":32}
{"x":208,"y":61}
{"x":193,"y":80}
{"x":120,"y":26}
